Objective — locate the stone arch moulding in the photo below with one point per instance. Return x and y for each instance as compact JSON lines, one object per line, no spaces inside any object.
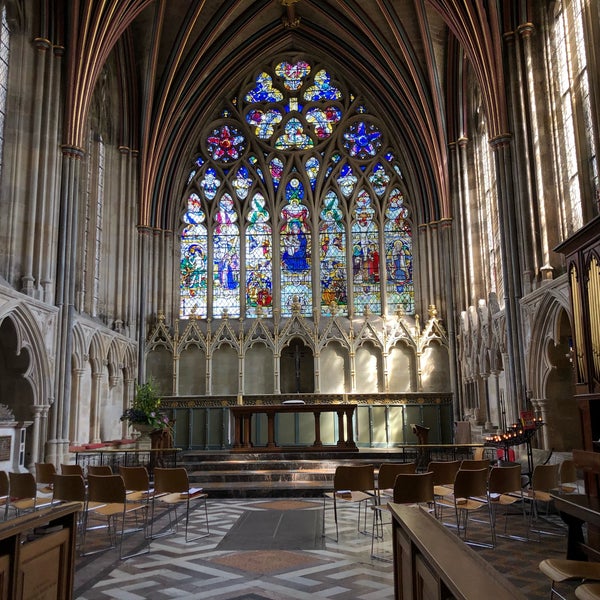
{"x":36,"y":332}
{"x":544,"y":326}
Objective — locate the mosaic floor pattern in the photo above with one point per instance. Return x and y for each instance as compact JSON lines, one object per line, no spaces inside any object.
{"x":340,"y":571}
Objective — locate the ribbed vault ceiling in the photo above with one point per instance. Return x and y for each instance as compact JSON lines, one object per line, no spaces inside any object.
{"x":179,"y":58}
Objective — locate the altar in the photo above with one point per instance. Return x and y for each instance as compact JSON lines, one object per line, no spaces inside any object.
{"x":242,"y":425}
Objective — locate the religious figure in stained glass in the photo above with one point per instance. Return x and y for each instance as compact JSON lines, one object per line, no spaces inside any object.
{"x":295,"y":248}
{"x":365,"y":255}
{"x":399,"y":258}
{"x":193,"y":263}
{"x":332,"y":242}
{"x":259,"y":259}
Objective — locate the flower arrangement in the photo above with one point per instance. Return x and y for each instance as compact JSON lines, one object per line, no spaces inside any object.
{"x":145,"y":409}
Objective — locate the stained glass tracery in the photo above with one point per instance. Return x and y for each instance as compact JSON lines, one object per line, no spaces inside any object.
{"x":285,"y":204}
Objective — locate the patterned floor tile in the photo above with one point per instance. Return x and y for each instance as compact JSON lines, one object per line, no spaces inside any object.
{"x":338,"y":571}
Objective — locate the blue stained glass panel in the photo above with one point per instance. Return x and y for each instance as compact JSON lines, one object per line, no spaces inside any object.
{"x":362,"y":139}
{"x":264,"y":91}
{"x":226,"y":260}
{"x":379,"y":179}
{"x":323,"y":120}
{"x":264,"y":121}
{"x":294,"y":137}
{"x":242,"y":183}
{"x":312,"y":166}
{"x":322,"y":88}
{"x":210,"y":183}
{"x":295,"y":252}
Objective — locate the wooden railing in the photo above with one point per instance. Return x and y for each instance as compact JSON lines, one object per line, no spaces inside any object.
{"x":380,"y":420}
{"x":431,"y":562}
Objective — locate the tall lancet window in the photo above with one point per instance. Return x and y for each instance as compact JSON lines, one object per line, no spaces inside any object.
{"x":4,"y":51}
{"x":294,"y":203}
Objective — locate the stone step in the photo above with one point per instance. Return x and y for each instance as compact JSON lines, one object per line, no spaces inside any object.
{"x":290,"y":474}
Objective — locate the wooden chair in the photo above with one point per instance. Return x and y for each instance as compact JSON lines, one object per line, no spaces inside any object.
{"x":479,"y":453}
{"x":444,"y":473}
{"x":99,"y":470}
{"x":172,"y":489}
{"x":352,"y":484}
{"x":69,"y":469}
{"x":560,"y":570}
{"x":137,"y":483}
{"x":71,"y":488}
{"x":44,"y":473}
{"x":386,"y":476}
{"x":588,"y":591}
{"x":24,"y":494}
{"x":409,"y":488}
{"x":474,"y":464}
{"x":543,"y":480}
{"x":106,"y":501}
{"x":567,"y":473}
{"x":504,"y":490}
{"x":469,"y":494}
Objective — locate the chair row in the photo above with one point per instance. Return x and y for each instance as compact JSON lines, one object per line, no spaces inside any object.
{"x":113,"y":499}
{"x":117,"y":498}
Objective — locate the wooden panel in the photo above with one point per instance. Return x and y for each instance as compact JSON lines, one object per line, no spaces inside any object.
{"x":41,"y":566}
{"x":4,"y":576}
{"x":44,"y":568}
{"x":427,"y":582}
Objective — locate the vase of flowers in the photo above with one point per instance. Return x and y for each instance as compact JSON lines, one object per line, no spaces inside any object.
{"x":144,"y":415}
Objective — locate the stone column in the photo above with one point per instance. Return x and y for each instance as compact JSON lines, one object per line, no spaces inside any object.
{"x":95,"y":405}
{"x":511,"y":270}
{"x":74,"y":433}
{"x":68,"y":252}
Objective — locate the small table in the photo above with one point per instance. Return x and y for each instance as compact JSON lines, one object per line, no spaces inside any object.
{"x":575,"y":510}
{"x":242,"y":419}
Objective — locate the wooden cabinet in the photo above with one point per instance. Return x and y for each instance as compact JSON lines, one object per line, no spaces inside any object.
{"x":37,"y":554}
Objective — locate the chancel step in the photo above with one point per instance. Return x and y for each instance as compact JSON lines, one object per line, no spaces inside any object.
{"x":290,"y":474}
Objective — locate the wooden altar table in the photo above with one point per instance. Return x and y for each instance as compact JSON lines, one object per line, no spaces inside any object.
{"x":242,"y":419}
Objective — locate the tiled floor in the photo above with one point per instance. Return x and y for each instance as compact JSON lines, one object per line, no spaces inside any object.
{"x":340,"y":571}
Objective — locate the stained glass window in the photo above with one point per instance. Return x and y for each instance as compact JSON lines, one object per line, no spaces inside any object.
{"x":294,"y":196}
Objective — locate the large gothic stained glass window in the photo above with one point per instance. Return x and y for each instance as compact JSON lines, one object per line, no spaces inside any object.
{"x":294,"y":204}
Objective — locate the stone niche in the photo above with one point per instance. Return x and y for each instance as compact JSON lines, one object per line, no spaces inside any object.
{"x":12,"y":441}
